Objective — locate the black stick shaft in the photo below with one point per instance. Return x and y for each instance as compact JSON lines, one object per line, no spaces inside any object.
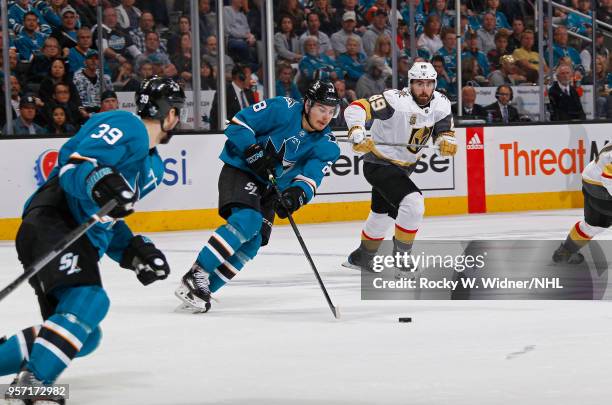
{"x":331,"y":305}
{"x":59,"y":247}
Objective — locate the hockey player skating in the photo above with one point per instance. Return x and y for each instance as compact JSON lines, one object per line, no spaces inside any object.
{"x":113,"y":156}
{"x":597,"y":191}
{"x":409,"y":116}
{"x":281,"y":136}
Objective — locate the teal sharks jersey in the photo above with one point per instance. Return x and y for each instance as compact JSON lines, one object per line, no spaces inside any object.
{"x":118,"y":139}
{"x":303,"y":158}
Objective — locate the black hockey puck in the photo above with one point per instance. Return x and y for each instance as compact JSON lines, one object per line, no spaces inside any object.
{"x":407,"y":319}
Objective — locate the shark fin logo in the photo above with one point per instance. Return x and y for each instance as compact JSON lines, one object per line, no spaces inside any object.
{"x":287,"y":150}
{"x":44,"y":165}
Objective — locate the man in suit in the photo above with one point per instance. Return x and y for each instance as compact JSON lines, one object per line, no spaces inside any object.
{"x":565,"y":103}
{"x":469,"y":107}
{"x":238,"y":95}
{"x":502,"y":111}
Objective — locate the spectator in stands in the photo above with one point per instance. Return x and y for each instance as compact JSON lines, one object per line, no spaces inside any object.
{"x":501,"y":49}
{"x":419,"y":15}
{"x":238,"y":94}
{"x":316,"y":65}
{"x":471,"y":13}
{"x":528,"y":60}
{"x":59,"y":123}
{"x":380,"y":5}
{"x":182,"y":61}
{"x":486,"y":34}
{"x":66,"y":35}
{"x":145,"y":71}
{"x":338,"y":39}
{"x":18,"y":10}
{"x":430,"y":39}
{"x":352,"y":62}
{"x":501,"y":110}
{"x":109,"y":101}
{"x":184,"y":26}
{"x":500,"y":18}
{"x":293,"y":9}
{"x":211,"y":56}
{"x":285,"y":86}
{"x":440,"y":10}
{"x":565,"y":102}
{"x":327,"y":15}
{"x":578,"y":23}
{"x":508,"y":74}
{"x":383,"y":49}
{"x":207,"y":20}
{"x":469,"y":107}
{"x":117,"y":44}
{"x":30,"y":40}
{"x":286,"y":43}
{"x":208,"y":77}
{"x":53,"y":14}
{"x":604,"y":12}
{"x":24,"y":124}
{"x":86,"y":10}
{"x":403,"y":65}
{"x":15,"y":95}
{"x":76,"y":55}
{"x":158,"y":8}
{"x":600,"y":48}
{"x":314,"y":24}
{"x":39,"y":67}
{"x":87,"y":83}
{"x":240,"y":40}
{"x":373,"y":81}
{"x":449,"y":52}
{"x":126,"y":79}
{"x":75,"y":113}
{"x":602,"y":94}
{"x":514,"y":40}
{"x":472,"y":51}
{"x":355,"y":7}
{"x":561,"y":49}
{"x":128,"y":15}
{"x":377,"y":28}
{"x":139,"y":35}
{"x":57,"y":72}
{"x":339,"y":121}
{"x":444,"y":82}
{"x":153,"y":52}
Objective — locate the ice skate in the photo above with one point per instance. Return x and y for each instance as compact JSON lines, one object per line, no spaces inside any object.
{"x":194,"y":291}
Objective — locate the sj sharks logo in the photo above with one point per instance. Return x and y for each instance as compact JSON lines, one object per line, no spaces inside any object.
{"x":286,"y":153}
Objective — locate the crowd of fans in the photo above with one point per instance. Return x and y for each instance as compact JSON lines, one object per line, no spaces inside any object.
{"x":54,"y":55}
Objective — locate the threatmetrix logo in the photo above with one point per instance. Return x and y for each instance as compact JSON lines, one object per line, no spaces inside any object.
{"x":44,"y":164}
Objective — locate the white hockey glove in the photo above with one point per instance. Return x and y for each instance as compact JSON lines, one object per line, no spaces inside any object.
{"x":361,"y":142}
{"x":447,"y":144}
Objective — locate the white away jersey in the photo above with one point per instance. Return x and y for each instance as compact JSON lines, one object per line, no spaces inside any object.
{"x":398,"y":119}
{"x":599,"y":171}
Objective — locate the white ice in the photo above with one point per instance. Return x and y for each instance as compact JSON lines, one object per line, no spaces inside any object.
{"x":271,"y":339}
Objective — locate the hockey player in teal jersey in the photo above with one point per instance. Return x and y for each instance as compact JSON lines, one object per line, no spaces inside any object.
{"x":113,"y":156}
{"x":281,"y":136}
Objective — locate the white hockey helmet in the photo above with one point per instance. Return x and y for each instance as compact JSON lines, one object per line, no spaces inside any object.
{"x":422,"y":71}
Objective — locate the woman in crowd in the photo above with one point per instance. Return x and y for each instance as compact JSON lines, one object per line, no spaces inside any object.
{"x":286,"y":43}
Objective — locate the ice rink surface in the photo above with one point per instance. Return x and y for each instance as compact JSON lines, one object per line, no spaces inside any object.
{"x":271,"y":340}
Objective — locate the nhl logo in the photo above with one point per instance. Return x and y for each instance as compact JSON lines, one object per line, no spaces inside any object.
{"x":413,"y":119}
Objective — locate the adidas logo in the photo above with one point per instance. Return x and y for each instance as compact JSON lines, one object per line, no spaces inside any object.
{"x":475,"y":143}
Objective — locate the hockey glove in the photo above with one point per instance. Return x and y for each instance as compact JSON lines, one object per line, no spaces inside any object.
{"x":146,"y":260}
{"x":447,"y":144}
{"x":104,"y":184}
{"x":361,"y":142}
{"x":292,"y":199}
{"x":259,"y":161}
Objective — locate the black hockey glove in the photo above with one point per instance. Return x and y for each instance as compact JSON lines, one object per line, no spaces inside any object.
{"x":292,"y":198}
{"x":104,"y":184}
{"x":259,"y":161}
{"x":146,"y":260}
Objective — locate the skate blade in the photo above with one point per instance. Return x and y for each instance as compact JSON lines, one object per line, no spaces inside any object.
{"x":187,"y":305}
{"x":189,"y":309}
{"x":351,"y":266}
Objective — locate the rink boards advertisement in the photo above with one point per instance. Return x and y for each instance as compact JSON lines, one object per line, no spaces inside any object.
{"x":500,"y":169}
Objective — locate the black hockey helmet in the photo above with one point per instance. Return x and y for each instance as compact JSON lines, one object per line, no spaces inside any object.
{"x":157,"y":96}
{"x":325,"y":93}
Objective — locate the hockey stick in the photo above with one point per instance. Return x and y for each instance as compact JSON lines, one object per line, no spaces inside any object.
{"x":60,"y":246}
{"x":406,"y":145}
{"x":335,"y":310}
